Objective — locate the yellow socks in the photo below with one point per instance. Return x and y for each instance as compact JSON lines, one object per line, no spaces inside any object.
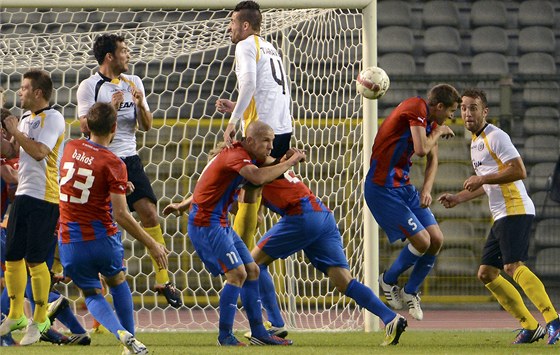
{"x":245,"y":222}
{"x":534,"y":289}
{"x":161,"y":274}
{"x":508,"y":296}
{"x":41,"y":287}
{"x":16,"y":281}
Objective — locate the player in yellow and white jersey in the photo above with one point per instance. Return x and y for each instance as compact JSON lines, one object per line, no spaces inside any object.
{"x":499,"y":171}
{"x":126,"y":93}
{"x":38,"y":138}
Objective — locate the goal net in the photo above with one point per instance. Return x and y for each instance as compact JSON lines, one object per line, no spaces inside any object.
{"x":185,"y":60}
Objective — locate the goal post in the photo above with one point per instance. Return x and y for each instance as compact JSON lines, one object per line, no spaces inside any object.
{"x":182,"y":53}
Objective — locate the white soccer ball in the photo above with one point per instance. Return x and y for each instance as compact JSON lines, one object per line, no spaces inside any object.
{"x":372,"y":83}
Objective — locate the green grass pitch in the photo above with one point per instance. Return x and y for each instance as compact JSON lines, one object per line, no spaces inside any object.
{"x":309,"y":343}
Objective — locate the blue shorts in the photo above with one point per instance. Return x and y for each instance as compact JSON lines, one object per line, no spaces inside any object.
{"x":83,"y":261}
{"x":397,"y":210}
{"x":316,"y":233}
{"x":219,"y":248}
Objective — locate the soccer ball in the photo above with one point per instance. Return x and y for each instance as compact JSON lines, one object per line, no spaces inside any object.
{"x":372,"y":83}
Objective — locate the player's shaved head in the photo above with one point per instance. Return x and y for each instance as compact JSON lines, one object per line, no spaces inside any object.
{"x":258,"y":129}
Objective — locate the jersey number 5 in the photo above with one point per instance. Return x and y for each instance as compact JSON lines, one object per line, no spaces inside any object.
{"x":83,"y":186}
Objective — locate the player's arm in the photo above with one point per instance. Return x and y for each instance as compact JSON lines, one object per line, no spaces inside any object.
{"x":145,"y":117}
{"x":260,"y":176}
{"x":178,"y":208}
{"x":126,"y":221}
{"x":35,"y":149}
{"x":512,"y":170}
{"x":9,"y":174}
{"x":86,"y":99}
{"x":422,"y":143}
{"x":449,"y":200}
{"x":429,"y":177}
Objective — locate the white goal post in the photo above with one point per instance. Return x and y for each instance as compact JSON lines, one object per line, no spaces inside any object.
{"x":182,"y":53}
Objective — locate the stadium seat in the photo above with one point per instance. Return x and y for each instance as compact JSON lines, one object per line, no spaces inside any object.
{"x":541,"y":148}
{"x":536,"y":39}
{"x":539,"y":175}
{"x":547,"y":233}
{"x":398,"y":63}
{"x":463,"y":210}
{"x":544,"y":206}
{"x":442,"y":39}
{"x":541,"y":93}
{"x":450,"y":176}
{"x":393,"y":13}
{"x":488,"y":13}
{"x":541,"y":120}
{"x":460,"y":234}
{"x":489,"y":63}
{"x":440,"y":13}
{"x":453,"y":150}
{"x":547,"y":263}
{"x":536,"y":13}
{"x":489,"y":39}
{"x":456,"y":262}
{"x":536,"y":63}
{"x":443,"y":63}
{"x":395,"y":39}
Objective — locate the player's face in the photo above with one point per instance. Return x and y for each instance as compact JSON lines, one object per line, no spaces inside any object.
{"x":261,"y":146}
{"x":235,"y":29}
{"x":27,"y":94}
{"x":473,"y":113}
{"x":121,"y":57}
{"x":443,"y":113}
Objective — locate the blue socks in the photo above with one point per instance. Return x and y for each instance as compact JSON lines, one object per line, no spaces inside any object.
{"x":421,"y":270}
{"x":228,"y":307}
{"x":408,"y":257}
{"x":102,"y":311}
{"x":268,"y":297}
{"x":122,"y":300}
{"x":250,"y":297}
{"x":365,"y":298}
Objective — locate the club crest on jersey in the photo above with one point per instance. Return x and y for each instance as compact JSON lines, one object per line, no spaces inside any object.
{"x":480,"y":146}
{"x":35,"y":124}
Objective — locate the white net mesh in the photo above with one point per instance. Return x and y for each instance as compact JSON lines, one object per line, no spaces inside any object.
{"x":185,"y":60}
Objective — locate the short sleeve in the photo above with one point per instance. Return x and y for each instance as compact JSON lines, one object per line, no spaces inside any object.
{"x":85,"y":97}
{"x":502,"y":145}
{"x":117,"y":176}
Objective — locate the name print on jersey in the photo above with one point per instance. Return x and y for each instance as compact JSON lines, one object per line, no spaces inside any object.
{"x":80,"y":156}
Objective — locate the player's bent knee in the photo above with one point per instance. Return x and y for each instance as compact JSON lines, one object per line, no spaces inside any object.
{"x":237,"y":276}
{"x":115,"y":280}
{"x":510,"y":268}
{"x":253,"y":271}
{"x":90,"y":292}
{"x":487,"y":274}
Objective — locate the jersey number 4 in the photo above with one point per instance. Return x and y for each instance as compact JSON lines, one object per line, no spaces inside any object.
{"x":279,"y":81}
{"x":82,"y":186}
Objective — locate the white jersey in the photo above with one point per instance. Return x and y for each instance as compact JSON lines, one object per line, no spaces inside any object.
{"x":271,"y":101}
{"x":99,"y":88}
{"x":39,"y":179}
{"x":489,"y":152}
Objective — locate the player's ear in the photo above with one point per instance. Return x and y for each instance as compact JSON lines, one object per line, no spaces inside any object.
{"x":114,"y":127}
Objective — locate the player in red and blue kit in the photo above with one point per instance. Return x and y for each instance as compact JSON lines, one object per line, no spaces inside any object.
{"x":93,"y":184}
{"x":413,"y":127}
{"x":217,"y":244}
{"x":308,"y":225}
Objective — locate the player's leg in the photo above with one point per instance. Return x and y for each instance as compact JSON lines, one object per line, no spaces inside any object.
{"x":143,"y":201}
{"x":246,"y":217}
{"x":514,"y":244}
{"x":505,"y":293}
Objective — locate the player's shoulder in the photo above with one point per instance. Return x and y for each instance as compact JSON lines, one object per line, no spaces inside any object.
{"x":248,"y":44}
{"x":496,"y":132}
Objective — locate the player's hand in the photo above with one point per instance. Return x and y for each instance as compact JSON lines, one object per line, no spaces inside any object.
{"x":229,"y":135}
{"x":172,"y":208}
{"x":138,"y":97}
{"x":425,"y":199}
{"x":448,"y":200}
{"x":159,"y":253}
{"x":296,"y":157}
{"x":473,"y":183}
{"x":445,"y":131}
{"x":225,"y":105}
{"x":129,"y":187}
{"x":83,"y":125}
{"x":117,"y":99}
{"x":10,"y":124}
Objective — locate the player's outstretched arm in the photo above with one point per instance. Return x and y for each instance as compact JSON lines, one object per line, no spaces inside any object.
{"x":449,"y":200}
{"x":260,"y":176}
{"x":126,"y":221}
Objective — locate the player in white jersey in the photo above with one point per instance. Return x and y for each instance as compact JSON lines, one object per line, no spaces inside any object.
{"x":126,"y":92}
{"x":499,"y":171}
{"x":38,"y":138}
{"x":263,"y":94}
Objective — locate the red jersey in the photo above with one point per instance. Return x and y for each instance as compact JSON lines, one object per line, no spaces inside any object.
{"x":288,"y":195}
{"x":217,"y":186}
{"x":89,"y":173}
{"x":5,"y":187}
{"x":393,"y":146}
